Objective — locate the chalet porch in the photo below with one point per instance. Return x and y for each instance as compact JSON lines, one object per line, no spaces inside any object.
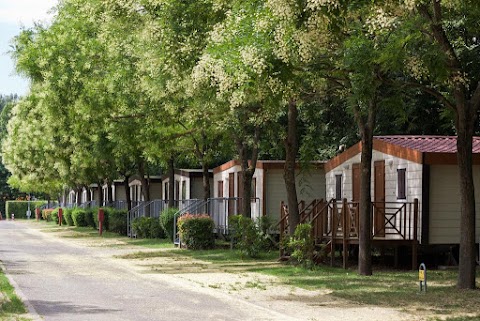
{"x":336,"y":225}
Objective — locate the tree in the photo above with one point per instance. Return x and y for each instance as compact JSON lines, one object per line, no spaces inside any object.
{"x":436,"y":46}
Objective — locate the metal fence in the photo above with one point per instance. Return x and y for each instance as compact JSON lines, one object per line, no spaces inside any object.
{"x":219,"y":209}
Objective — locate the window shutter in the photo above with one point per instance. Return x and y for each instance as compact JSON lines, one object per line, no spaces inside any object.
{"x":401,"y":184}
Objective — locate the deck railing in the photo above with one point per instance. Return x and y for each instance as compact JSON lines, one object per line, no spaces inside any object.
{"x":338,"y":222}
{"x":390,"y":220}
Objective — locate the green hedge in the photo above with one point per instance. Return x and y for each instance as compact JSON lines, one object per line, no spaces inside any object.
{"x":89,"y":214}
{"x":67,"y":214}
{"x":167,"y":219}
{"x":19,"y":208}
{"x":79,"y":217}
{"x":196,"y":231}
{"x":148,"y":227}
{"x":117,"y":221}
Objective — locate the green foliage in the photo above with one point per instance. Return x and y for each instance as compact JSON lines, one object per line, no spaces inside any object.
{"x":147,"y":227}
{"x":54,"y":216}
{"x":167,"y":220}
{"x":196,"y":231}
{"x":106,"y":211}
{"x":67,"y":214}
{"x":301,"y":245}
{"x":117,"y":221}
{"x":19,"y":208}
{"x":79,"y":217}
{"x":89,"y":213}
{"x":248,"y":238}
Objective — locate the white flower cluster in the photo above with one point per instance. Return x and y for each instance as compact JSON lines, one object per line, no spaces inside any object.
{"x":211,"y":71}
{"x":318,"y":4}
{"x":252,"y":58}
{"x":306,"y":45}
{"x":410,"y":4}
{"x":380,"y":21}
{"x":284,"y":9}
{"x":217,"y":35}
{"x":416,"y":68}
{"x":281,"y":50}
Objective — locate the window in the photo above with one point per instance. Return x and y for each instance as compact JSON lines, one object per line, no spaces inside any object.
{"x":220,"y":189}
{"x":338,"y":187}
{"x":401,"y":184}
{"x":184,"y":190}
{"x":165,"y":190}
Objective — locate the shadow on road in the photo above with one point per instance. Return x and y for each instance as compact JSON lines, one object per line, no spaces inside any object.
{"x":46,"y":308}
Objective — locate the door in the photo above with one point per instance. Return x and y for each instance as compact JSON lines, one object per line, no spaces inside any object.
{"x":379,"y":198}
{"x":355,"y":182}
{"x":240,"y":191}
{"x":231,"y":194}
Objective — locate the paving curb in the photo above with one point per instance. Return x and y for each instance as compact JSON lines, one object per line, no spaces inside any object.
{"x":32,"y":313}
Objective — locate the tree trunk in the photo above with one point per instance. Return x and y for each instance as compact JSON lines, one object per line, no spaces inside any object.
{"x":366,"y":127}
{"x":127,"y":192}
{"x":466,"y":116}
{"x":291,"y":150}
{"x":89,"y":194}
{"x":206,"y":180}
{"x":247,"y":169}
{"x":78,"y":192}
{"x":145,"y":180}
{"x":365,"y":209}
{"x":109,"y":193}
{"x":100,"y":194}
{"x":171,"y":183}
{"x":467,"y":255}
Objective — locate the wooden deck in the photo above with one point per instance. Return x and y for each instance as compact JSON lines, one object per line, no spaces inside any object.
{"x":336,"y":224}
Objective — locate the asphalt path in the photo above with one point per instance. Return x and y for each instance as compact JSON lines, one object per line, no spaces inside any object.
{"x":61,"y":280}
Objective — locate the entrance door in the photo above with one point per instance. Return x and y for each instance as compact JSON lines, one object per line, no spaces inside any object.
{"x":355,"y":182}
{"x":231,"y":194}
{"x":240,"y":191}
{"x":379,"y":198}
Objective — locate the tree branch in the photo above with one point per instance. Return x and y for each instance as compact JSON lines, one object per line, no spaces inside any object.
{"x":475,"y":100}
{"x":438,"y":95}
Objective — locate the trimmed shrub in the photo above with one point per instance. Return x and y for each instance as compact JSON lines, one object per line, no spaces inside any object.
{"x":147,"y":227}
{"x":141,"y":227}
{"x":117,"y":221}
{"x":67,"y":214}
{"x":247,"y":236}
{"x":196,"y":231}
{"x":301,"y":245}
{"x":89,"y":213}
{"x":19,"y":208}
{"x":78,"y":216}
{"x":47,"y":214}
{"x":167,"y":219}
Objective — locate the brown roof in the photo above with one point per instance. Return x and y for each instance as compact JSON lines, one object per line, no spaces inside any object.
{"x":429,"y":144}
{"x":418,"y":149}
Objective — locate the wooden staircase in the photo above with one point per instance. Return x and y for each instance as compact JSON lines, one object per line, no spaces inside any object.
{"x":336,"y":223}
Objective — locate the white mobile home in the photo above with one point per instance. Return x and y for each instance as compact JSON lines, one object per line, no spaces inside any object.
{"x":268,"y":186}
{"x":188,"y":185}
{"x":405,"y":168}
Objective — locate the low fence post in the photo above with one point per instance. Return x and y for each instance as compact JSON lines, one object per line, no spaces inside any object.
{"x":60,"y":216}
{"x":101,"y":218}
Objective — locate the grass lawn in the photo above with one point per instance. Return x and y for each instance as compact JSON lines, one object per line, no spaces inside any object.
{"x":11,"y":307}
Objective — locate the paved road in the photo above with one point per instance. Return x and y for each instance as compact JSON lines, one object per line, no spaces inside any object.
{"x":65,"y":281}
